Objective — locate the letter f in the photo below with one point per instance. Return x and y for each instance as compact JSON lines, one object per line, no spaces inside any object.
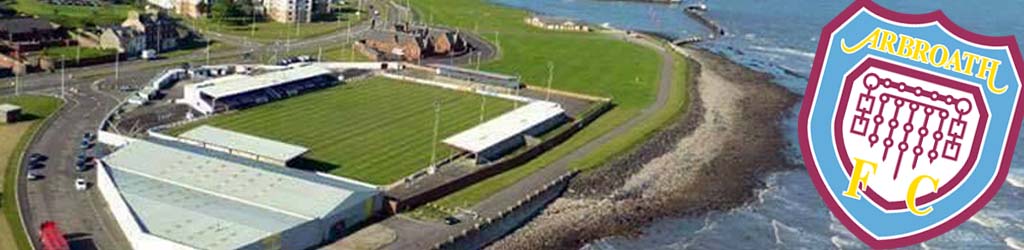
{"x":859,"y":177}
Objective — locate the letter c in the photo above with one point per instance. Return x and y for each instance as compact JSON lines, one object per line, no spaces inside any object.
{"x":912,"y":195}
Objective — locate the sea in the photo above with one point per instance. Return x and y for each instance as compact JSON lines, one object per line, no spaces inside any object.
{"x":779,"y":38}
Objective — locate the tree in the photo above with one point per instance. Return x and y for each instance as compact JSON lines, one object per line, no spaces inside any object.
{"x":226,"y":10}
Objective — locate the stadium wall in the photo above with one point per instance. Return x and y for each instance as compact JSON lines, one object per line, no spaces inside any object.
{"x":456,"y":87}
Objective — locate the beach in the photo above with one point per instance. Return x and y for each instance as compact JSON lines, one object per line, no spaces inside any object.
{"x":710,"y":158}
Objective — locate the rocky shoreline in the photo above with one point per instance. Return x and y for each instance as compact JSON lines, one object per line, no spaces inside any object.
{"x":711,"y":158}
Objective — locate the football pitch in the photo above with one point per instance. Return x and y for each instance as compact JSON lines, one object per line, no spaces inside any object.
{"x":376,"y":130}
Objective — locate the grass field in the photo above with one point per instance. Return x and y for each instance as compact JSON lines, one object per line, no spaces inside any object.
{"x":72,"y":53}
{"x":74,"y":16}
{"x":590,"y":63}
{"x":13,"y":140}
{"x":376,"y":130}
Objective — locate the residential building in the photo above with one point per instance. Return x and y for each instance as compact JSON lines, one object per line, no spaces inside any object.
{"x":289,"y":11}
{"x":29,"y":34}
{"x":124,"y":40}
{"x":160,"y":31}
{"x":189,"y":8}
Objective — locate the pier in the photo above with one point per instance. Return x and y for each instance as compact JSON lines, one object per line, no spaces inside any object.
{"x":697,"y":13}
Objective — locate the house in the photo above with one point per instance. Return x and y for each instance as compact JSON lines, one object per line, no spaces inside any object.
{"x":411,"y":44}
{"x":29,"y":34}
{"x":159,"y":30}
{"x":124,"y":40}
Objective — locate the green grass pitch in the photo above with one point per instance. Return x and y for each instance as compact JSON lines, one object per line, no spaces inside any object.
{"x":376,"y":130}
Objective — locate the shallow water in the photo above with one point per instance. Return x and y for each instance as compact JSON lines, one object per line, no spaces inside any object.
{"x":779,"y":37}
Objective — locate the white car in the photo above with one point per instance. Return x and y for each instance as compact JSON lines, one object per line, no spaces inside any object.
{"x":80,"y":184}
{"x":32,"y":175}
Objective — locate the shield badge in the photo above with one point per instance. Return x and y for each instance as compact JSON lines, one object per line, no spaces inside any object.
{"x":909,"y":122}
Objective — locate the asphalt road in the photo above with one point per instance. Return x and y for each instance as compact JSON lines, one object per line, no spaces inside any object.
{"x":82,"y":215}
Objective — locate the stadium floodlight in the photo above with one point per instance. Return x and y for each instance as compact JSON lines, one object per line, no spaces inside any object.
{"x":437,"y":125}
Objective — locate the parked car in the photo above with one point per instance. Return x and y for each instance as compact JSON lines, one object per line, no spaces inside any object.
{"x":451,"y":220}
{"x":86,"y":144}
{"x":80,"y":166}
{"x":36,"y":157}
{"x":32,"y":175}
{"x":88,"y":136}
{"x":80,"y":184}
{"x":36,"y":165}
{"x":149,"y":54}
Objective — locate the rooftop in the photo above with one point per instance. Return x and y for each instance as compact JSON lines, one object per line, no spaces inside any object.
{"x":8,"y":107}
{"x":237,"y":84}
{"x":508,"y":125}
{"x":24,"y":24}
{"x":200,"y":219}
{"x":244,"y":142}
{"x":213,"y":200}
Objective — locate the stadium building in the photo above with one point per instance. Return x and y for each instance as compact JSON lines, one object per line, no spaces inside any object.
{"x":173,"y":195}
{"x":488,"y":78}
{"x":493,"y":139}
{"x":241,"y":91}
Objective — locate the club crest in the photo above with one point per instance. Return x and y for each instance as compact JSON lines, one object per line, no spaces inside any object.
{"x":909,"y":122}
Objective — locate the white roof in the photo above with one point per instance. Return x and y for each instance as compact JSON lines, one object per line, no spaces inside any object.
{"x":508,"y":125}
{"x":8,"y":107}
{"x":237,"y":84}
{"x":212,"y":200}
{"x":248,"y":143}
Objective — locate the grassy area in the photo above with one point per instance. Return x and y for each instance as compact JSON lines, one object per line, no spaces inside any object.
{"x":74,"y":16}
{"x":588,"y":63}
{"x":343,"y":52}
{"x":377,"y":130}
{"x":13,"y":140}
{"x":270,"y":31}
{"x":71,"y":53}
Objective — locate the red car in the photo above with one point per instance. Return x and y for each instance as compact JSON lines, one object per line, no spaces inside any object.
{"x":51,"y":237}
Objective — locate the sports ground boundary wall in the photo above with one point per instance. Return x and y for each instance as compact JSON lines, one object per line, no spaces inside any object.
{"x":455,"y":87}
{"x":493,"y":229}
{"x":561,"y":135}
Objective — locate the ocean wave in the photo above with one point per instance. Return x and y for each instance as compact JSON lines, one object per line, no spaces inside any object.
{"x":788,"y":51}
{"x":1013,"y":243}
{"x":1015,"y":181}
{"x":986,"y":221}
{"x":843,"y":243}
